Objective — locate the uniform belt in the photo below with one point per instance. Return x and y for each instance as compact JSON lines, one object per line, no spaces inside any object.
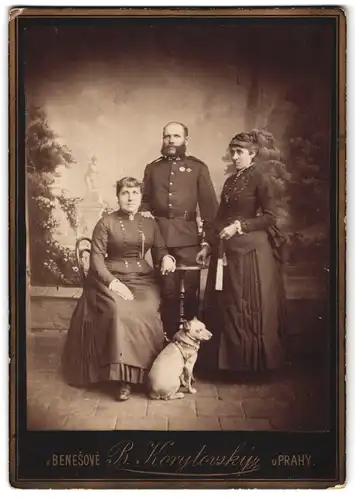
{"x":173,"y":214}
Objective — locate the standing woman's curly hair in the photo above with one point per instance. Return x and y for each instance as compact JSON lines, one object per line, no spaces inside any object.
{"x":268,"y":160}
{"x":259,"y":141}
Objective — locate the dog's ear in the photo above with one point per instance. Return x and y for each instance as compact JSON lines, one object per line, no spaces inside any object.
{"x":186,"y":326}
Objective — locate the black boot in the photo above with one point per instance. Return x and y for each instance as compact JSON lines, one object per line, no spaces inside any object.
{"x":124,"y":392}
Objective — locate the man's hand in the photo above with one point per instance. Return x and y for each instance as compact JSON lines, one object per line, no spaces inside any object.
{"x":121,"y":289}
{"x":202,"y":256}
{"x":229,"y":231}
{"x":168,"y":265}
{"x":147,"y":214}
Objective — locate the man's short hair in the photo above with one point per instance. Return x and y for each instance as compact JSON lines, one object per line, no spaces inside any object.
{"x":186,"y":130}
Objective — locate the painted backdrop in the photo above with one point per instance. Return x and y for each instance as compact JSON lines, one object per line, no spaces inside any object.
{"x":107,"y":89}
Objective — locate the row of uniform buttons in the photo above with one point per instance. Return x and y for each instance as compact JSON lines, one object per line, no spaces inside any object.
{"x":182,"y":168}
{"x":171,"y":183}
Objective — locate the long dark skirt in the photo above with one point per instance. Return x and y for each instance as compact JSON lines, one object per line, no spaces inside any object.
{"x":114,"y":339}
{"x":247,"y":316}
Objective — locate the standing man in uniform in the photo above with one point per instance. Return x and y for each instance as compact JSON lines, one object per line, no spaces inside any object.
{"x":173,"y":186}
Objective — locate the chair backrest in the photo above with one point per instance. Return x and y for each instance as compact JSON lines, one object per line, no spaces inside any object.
{"x":82,"y":254}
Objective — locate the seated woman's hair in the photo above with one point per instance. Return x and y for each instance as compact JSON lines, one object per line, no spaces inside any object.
{"x":127,"y":182}
{"x":259,"y":141}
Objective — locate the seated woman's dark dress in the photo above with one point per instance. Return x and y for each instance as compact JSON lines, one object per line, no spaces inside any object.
{"x":110,"y":338}
{"x":247,"y":315}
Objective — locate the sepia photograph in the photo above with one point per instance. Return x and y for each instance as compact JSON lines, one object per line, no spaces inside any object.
{"x":180,"y":174}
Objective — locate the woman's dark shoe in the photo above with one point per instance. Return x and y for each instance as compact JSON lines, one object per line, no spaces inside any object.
{"x":124,"y":392}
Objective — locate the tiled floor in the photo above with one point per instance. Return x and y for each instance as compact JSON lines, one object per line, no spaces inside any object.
{"x":295,"y":399}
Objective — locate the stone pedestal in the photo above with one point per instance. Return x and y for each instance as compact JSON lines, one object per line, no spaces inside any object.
{"x":89,"y":213}
{"x":64,"y":234}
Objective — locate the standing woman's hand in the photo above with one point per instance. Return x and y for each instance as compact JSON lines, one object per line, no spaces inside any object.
{"x":231,"y":230}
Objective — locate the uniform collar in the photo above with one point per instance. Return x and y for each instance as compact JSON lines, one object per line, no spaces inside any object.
{"x":175,"y":158}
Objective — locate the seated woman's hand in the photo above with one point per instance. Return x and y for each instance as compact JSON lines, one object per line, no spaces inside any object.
{"x":231,"y":230}
{"x":121,"y":289}
{"x":168,"y":264}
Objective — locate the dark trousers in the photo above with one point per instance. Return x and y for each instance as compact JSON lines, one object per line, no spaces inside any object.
{"x":170,"y":312}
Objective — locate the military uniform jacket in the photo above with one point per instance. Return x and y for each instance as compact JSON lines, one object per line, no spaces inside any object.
{"x":172,"y":191}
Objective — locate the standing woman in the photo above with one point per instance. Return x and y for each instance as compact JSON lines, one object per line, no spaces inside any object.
{"x":116,"y":331}
{"x":244,"y":299}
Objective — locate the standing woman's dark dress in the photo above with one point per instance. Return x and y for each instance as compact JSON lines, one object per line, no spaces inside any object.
{"x":111,"y":338}
{"x":246,"y":316}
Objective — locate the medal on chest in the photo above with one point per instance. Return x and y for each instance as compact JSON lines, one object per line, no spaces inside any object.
{"x":182,"y":168}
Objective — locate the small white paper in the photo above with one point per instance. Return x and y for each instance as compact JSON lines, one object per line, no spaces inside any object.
{"x":219,"y":275}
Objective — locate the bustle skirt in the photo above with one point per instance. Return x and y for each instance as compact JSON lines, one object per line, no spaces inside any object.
{"x":247,"y":317}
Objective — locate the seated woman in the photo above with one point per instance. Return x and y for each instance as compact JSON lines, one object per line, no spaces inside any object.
{"x":116,"y":331}
{"x":244,"y":299}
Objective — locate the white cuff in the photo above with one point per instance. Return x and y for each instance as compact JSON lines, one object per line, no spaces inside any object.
{"x":239,"y":226}
{"x":205,"y":244}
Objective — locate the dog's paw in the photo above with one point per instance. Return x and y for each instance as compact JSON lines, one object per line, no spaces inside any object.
{"x":176,"y":395}
{"x":192,"y":390}
{"x":152,"y":395}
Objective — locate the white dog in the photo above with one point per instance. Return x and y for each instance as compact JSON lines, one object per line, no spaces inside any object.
{"x":173,"y":367}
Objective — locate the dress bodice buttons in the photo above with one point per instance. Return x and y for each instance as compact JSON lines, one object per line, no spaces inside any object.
{"x":140,"y":239}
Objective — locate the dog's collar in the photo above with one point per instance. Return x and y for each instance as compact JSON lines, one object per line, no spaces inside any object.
{"x":193,"y":340}
{"x":179,"y":344}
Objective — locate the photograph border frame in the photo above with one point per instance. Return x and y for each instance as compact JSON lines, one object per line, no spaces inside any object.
{"x":14,"y":243}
